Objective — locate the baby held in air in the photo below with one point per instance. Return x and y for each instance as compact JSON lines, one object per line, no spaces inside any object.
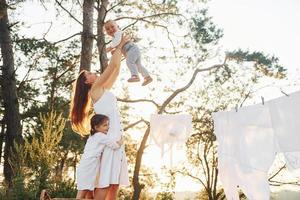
{"x":130,"y":50}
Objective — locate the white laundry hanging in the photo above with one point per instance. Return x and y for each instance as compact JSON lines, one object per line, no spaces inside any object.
{"x":170,"y":130}
{"x":248,"y":140}
{"x":253,"y":183}
{"x":285,"y":113}
{"x":246,"y":151}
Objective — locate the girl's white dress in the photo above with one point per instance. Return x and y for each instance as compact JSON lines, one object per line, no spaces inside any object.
{"x":113,"y":169}
{"x":88,"y":169}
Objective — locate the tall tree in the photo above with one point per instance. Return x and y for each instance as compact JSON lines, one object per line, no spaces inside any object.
{"x":102,"y":11}
{"x":9,"y":91}
{"x":87,"y":36}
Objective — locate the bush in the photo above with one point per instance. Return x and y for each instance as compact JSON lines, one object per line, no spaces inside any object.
{"x":165,"y":196}
{"x":65,"y":189}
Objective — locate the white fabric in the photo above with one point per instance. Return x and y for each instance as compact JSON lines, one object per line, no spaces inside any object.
{"x":86,"y":173}
{"x":285,"y":112}
{"x":95,"y":145}
{"x":113,"y":169}
{"x":246,"y":150}
{"x":226,"y":163}
{"x":253,"y":183}
{"x":89,"y":165}
{"x":292,"y":160}
{"x":227,"y":171}
{"x":248,"y":140}
{"x":116,"y":39}
{"x":256,"y":137}
{"x":169,"y":129}
{"x":247,"y":136}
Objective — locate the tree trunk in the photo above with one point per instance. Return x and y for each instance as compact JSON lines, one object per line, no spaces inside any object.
{"x":215,"y":181}
{"x":2,"y":133}
{"x":60,"y":167}
{"x":87,"y":35}
{"x":137,"y":187}
{"x":102,"y":10}
{"x":9,"y":93}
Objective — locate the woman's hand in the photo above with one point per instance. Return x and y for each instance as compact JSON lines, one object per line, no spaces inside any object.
{"x":110,"y":74}
{"x":120,"y":142}
{"x":113,"y":51}
{"x":124,"y":40}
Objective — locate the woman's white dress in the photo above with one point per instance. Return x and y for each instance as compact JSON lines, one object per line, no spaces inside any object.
{"x":113,"y":168}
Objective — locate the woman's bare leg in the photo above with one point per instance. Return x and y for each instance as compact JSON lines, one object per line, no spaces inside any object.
{"x":81,"y":194}
{"x":89,"y":195}
{"x":100,"y":193}
{"x":112,"y":192}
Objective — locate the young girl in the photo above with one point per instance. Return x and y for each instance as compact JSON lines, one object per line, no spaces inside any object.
{"x":89,"y":165}
{"x":131,"y":52}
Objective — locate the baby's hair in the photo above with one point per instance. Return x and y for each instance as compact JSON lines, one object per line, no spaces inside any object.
{"x":97,"y":119}
{"x":110,"y":20}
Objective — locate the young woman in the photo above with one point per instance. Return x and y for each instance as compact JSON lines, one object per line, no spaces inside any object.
{"x":93,"y":90}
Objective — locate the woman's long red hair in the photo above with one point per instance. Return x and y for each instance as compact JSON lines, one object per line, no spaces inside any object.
{"x":80,"y":105}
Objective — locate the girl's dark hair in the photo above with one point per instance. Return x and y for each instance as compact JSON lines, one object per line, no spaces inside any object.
{"x":80,"y":105}
{"x":96,"y":120}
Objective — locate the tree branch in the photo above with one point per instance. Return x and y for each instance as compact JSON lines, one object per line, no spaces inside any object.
{"x":279,"y":183}
{"x":111,"y":8}
{"x":281,"y":168}
{"x":64,"y":72}
{"x":192,"y":176}
{"x":44,"y":35}
{"x":149,"y":16}
{"x":172,"y":113}
{"x":176,"y":92}
{"x":65,"y":39}
{"x":138,"y":100}
{"x":70,"y":14}
{"x":25,"y":78}
{"x":135,"y":123}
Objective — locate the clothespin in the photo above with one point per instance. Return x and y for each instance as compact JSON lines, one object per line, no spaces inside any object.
{"x":262,"y":100}
{"x":284,"y":93}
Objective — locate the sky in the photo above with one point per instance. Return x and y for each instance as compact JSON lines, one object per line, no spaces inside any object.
{"x":267,"y":25}
{"x":271,"y":26}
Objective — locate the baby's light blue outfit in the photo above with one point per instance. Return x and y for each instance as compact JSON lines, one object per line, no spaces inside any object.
{"x":132,"y":53}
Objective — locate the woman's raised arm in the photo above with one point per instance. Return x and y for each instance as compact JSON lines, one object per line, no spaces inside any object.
{"x":110,"y":74}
